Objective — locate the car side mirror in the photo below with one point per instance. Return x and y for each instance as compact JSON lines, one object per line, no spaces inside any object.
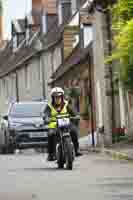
{"x":5,"y":117}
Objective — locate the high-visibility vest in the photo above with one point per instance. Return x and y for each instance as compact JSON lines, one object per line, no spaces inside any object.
{"x":54,"y":113}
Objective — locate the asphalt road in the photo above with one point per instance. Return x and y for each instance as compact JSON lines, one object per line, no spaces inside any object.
{"x":29,"y":177}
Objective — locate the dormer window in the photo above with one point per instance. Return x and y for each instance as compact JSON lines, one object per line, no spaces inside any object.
{"x":88,"y":35}
{"x":44,"y":22}
{"x":64,"y":11}
{"x":15,"y":43}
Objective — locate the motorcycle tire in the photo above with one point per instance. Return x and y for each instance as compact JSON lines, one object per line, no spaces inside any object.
{"x":68,"y":153}
{"x":59,"y":155}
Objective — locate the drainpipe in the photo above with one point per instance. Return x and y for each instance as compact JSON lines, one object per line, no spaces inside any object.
{"x":91,"y":98}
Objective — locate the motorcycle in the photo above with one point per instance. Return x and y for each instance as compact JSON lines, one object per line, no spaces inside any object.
{"x":64,"y":149}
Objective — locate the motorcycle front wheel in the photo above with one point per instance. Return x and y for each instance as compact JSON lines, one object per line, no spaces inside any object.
{"x":59,"y":154}
{"x":68,"y":153}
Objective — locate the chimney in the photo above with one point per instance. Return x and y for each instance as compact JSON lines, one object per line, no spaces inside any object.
{"x":48,"y":5}
{"x":64,"y":10}
{"x":37,"y":4}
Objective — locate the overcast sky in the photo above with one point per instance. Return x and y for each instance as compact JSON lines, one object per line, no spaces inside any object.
{"x":14,"y":9}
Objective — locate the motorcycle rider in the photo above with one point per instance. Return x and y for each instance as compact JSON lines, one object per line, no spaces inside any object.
{"x":57,"y":106}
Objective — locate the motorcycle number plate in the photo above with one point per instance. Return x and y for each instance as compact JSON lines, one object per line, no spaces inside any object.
{"x":62,"y":122}
{"x":38,"y":134}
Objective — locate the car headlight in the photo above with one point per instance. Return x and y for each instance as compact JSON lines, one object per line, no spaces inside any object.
{"x":38,"y":125}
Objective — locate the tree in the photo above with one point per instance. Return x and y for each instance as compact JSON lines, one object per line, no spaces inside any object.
{"x":1,"y":7}
{"x":123,"y":41}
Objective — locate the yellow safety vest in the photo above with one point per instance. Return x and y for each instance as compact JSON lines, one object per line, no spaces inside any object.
{"x":54,"y":113}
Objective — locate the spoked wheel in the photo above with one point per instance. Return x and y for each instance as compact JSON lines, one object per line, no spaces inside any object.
{"x":68,"y":153}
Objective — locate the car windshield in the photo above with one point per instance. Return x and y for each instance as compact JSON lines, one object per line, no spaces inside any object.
{"x":27,"y":110}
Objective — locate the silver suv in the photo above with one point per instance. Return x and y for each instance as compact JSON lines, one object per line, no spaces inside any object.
{"x":23,"y":127}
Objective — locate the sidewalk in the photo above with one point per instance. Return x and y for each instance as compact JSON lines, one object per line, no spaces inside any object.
{"x":122,"y":150}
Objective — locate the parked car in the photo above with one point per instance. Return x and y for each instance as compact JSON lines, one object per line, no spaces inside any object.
{"x":23,"y":127}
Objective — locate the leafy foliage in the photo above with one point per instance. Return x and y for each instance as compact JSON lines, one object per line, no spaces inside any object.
{"x":123,"y":40}
{"x":1,"y":7}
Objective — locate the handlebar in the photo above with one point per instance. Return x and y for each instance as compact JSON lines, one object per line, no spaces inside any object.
{"x":74,"y":118}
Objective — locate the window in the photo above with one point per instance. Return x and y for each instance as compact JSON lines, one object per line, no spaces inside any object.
{"x":15,"y":42}
{"x":88,"y":35}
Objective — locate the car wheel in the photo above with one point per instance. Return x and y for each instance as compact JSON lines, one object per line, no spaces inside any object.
{"x":3,"y":150}
{"x":10,"y":149}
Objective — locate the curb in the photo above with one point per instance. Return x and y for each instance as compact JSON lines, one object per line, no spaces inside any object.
{"x":118,"y":155}
{"x":115,"y":154}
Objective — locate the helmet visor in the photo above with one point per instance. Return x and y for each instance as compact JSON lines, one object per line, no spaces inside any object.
{"x":57,"y":94}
